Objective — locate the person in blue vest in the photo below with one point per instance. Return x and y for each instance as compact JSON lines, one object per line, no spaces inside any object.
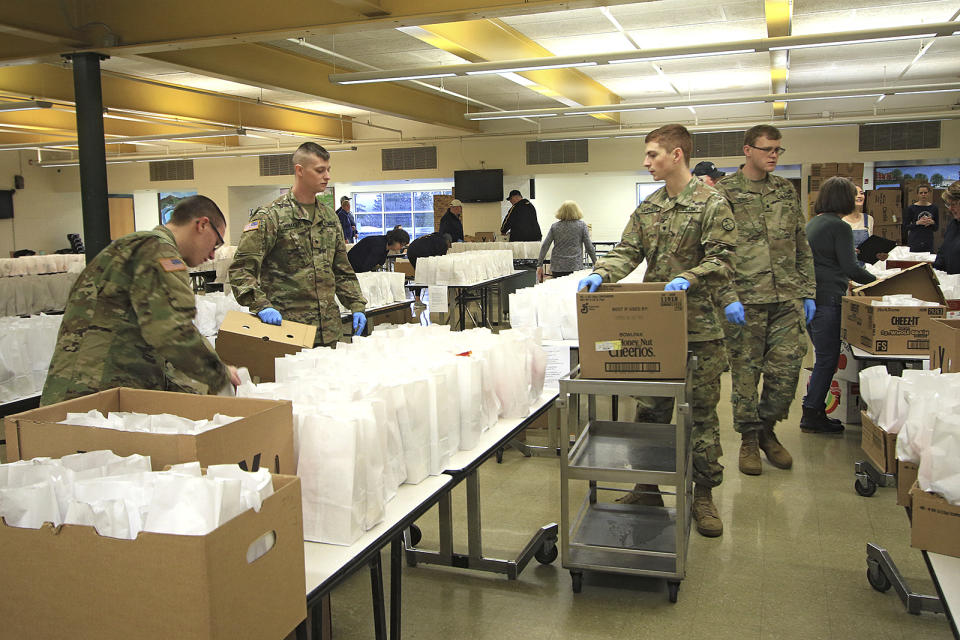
{"x":347,"y":221}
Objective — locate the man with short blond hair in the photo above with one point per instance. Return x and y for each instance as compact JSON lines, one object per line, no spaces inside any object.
{"x":775,"y":282}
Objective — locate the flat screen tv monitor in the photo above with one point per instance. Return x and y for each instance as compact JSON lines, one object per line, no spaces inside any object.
{"x":481,"y":185}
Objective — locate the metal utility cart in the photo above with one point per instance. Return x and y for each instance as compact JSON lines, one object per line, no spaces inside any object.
{"x":625,"y":538}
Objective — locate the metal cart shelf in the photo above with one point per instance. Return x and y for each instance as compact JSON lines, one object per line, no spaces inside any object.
{"x":632,"y":539}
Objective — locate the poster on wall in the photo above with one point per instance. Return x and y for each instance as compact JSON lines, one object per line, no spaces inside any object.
{"x":939,"y":176}
{"x":168,"y":200}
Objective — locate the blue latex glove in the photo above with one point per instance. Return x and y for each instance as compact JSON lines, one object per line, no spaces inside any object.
{"x":592,"y":282}
{"x":677,"y":284}
{"x":270,"y":316}
{"x":359,"y":322}
{"x":809,"y":309}
{"x":735,"y":313}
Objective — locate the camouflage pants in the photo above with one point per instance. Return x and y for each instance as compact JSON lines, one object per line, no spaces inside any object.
{"x":772,"y":343}
{"x":705,"y":433}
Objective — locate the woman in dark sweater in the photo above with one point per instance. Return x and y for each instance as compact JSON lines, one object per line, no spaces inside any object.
{"x":948,"y":258}
{"x":370,"y":253}
{"x":834,"y":264}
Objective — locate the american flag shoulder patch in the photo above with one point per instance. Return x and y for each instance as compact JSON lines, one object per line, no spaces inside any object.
{"x":173,"y":264}
{"x":250,"y":226}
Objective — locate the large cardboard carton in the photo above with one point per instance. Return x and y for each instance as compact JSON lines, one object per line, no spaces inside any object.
{"x":893,"y":330}
{"x":945,"y":345}
{"x":884,"y":205}
{"x":823,"y":169}
{"x":906,"y":476}
{"x":843,"y":400}
{"x":880,"y":446}
{"x":263,"y":437}
{"x":403,"y":266}
{"x":633,"y":331}
{"x":245,"y":341}
{"x":935,"y":523}
{"x":69,"y":579}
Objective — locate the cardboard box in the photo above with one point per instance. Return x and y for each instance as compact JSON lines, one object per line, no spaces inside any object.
{"x":906,"y":476}
{"x":245,"y":341}
{"x":485,"y":236}
{"x":885,"y":205}
{"x":893,"y":330}
{"x":953,"y":310}
{"x":852,"y":170}
{"x":404,"y":267}
{"x":264,"y":437}
{"x":69,"y":579}
{"x":634,"y":331}
{"x":892,"y":232}
{"x":880,"y":446}
{"x":945,"y":345}
{"x":936,"y":523}
{"x":848,"y":367}
{"x":843,"y":400}
{"x":823,"y":169}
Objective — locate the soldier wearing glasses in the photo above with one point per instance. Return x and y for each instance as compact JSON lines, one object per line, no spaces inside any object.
{"x":129,"y":317}
{"x":775,"y":282}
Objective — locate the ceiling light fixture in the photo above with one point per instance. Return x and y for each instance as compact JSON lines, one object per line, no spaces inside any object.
{"x":565,"y":65}
{"x":415,"y":76}
{"x":679,"y":56}
{"x":859,"y":41}
{"x":25,"y":105}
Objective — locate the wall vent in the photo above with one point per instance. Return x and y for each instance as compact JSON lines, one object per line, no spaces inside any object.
{"x":893,"y":136}
{"x":171,"y":170}
{"x":718,"y":144}
{"x":409,"y":158}
{"x":557,"y":151}
{"x":276,"y":165}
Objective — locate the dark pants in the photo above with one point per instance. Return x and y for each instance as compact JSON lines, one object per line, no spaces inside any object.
{"x":825,"y":334}
{"x":559,"y":274}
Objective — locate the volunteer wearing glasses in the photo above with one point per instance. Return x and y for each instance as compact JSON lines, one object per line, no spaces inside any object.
{"x":948,"y":257}
{"x":130,"y":313}
{"x":775,"y":282}
{"x":291,"y":259}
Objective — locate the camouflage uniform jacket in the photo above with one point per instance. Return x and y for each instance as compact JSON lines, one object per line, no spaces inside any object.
{"x":290,"y":262}
{"x":774,"y":262}
{"x":692,"y":237}
{"x":130,"y":312}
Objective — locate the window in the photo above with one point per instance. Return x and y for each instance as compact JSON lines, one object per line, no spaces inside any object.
{"x":644,"y":189}
{"x":378,"y":212}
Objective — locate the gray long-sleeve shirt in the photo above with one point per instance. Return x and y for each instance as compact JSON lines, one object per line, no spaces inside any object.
{"x":834,"y":262}
{"x":569,"y":237}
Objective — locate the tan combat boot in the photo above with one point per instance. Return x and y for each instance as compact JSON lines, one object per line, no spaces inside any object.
{"x":646,"y":494}
{"x":750,"y":454}
{"x":705,"y":513}
{"x":776,"y":454}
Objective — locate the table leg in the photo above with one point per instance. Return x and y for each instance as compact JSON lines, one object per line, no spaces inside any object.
{"x":376,"y":585}
{"x":396,"y":568}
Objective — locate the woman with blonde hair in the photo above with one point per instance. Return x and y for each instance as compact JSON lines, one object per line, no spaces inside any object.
{"x":569,"y":237}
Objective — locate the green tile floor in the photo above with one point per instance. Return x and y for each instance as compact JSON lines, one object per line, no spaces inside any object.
{"x":790,"y":564}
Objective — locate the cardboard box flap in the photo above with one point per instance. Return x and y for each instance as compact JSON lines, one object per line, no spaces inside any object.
{"x":616,"y":287}
{"x":291,"y":333}
{"x":918,"y":281}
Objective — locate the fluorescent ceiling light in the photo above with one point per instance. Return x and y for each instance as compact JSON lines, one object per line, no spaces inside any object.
{"x":861,"y":95}
{"x":538,"y":67}
{"x":718,"y":104}
{"x":909,"y":93}
{"x":655,"y":58}
{"x":843,"y":42}
{"x":25,"y":105}
{"x":421,"y":76}
{"x":528,"y":115}
{"x":590,"y":113}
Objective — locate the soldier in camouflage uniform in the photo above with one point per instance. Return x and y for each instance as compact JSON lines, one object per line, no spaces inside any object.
{"x":775,"y":281}
{"x":130,"y":313}
{"x":292,"y":260}
{"x":687,"y":234}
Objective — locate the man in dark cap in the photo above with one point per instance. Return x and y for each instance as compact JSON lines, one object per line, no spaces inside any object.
{"x":521,"y":221}
{"x":708,"y":172}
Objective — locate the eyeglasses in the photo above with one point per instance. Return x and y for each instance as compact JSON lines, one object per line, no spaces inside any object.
{"x":776,"y":150}
{"x":216,"y":231}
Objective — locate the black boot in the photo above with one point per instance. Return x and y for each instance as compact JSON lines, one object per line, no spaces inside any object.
{"x":816,"y":421}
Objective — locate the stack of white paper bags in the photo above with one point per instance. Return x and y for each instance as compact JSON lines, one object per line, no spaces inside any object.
{"x":121,"y":497}
{"x":26,"y":347}
{"x":212,"y":308}
{"x":362,"y":428}
{"x":147,"y":423}
{"x":520,"y":250}
{"x":923,"y":408}
{"x":949,"y":284}
{"x":40,"y":265}
{"x":902,"y":300}
{"x":380,"y":288}
{"x":464,"y":268}
{"x":550,"y":305}
{"x":35,"y":294}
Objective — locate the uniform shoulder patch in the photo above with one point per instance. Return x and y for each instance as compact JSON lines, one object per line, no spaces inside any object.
{"x":728,"y":224}
{"x":173,"y":264}
{"x":250,"y":226}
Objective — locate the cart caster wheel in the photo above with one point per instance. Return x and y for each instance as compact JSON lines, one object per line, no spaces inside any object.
{"x":500,"y":455}
{"x":674,"y":589}
{"x":415,"y":535}
{"x":577,"y":578}
{"x":865,"y":488}
{"x":547,"y":553}
{"x":877,"y":578}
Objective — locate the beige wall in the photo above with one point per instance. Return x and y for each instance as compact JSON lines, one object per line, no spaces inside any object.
{"x":49,"y":206}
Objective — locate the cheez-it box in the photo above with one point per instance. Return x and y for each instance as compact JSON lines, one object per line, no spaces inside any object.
{"x":632,"y":331}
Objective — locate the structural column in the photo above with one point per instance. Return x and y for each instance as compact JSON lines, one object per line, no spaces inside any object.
{"x":93,"y":155}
